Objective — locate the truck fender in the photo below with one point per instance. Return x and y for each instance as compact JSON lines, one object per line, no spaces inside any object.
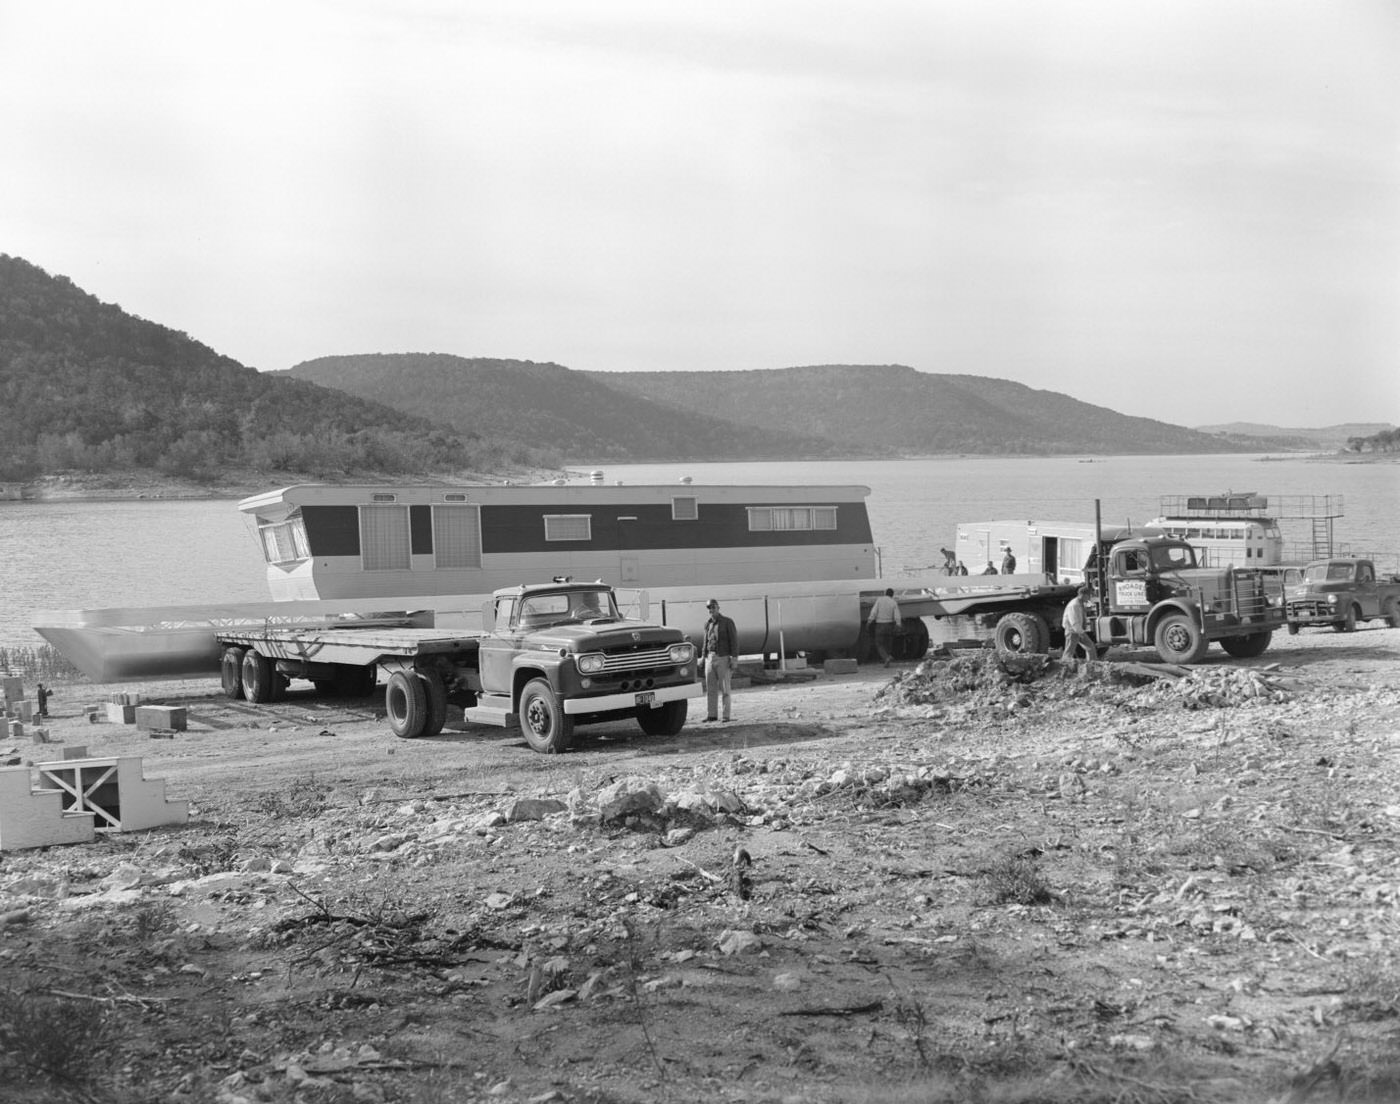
{"x":1170,"y":606}
{"x":522,"y":676}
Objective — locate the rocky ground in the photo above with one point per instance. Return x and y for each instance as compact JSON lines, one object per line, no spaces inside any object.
{"x":948,"y":882}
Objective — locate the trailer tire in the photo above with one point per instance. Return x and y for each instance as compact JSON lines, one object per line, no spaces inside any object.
{"x":406,"y":704}
{"x":664,"y":720}
{"x":1348,"y":623}
{"x":1247,"y":647}
{"x":911,"y":645}
{"x":259,"y":678}
{"x":231,"y":672}
{"x":1392,"y":612}
{"x":1179,"y":639}
{"x":437,"y":702}
{"x":1021,"y":634}
{"x":543,"y":722}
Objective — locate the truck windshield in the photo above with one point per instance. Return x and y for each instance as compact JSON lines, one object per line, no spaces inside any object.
{"x":1327,"y":572}
{"x":1173,"y":557}
{"x":563,"y":606}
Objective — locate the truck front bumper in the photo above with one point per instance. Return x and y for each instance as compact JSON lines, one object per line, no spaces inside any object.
{"x":658,"y":695}
{"x":1314,"y":613}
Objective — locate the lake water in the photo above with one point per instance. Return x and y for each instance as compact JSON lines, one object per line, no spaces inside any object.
{"x":80,"y":555}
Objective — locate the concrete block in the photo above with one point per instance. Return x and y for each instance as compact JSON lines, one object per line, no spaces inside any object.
{"x":118,"y":713}
{"x":77,"y":751}
{"x":114,"y":790}
{"x":25,"y":709}
{"x":14,"y":730}
{"x":13,"y":687}
{"x":173,"y":717}
{"x":840,"y":666}
{"x":35,"y":818}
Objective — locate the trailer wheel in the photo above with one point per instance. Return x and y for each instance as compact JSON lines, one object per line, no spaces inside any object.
{"x":1247,"y":647}
{"x":1179,"y":639}
{"x":259,"y":679}
{"x":1348,"y":623}
{"x":1021,"y":634}
{"x":912,"y":643}
{"x":543,"y":722}
{"x":664,"y":720}
{"x":406,"y":703}
{"x":1392,"y":612}
{"x":231,"y":672}
{"x":437,"y":702}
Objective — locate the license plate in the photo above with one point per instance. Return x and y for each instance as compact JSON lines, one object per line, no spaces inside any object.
{"x":648,"y":698}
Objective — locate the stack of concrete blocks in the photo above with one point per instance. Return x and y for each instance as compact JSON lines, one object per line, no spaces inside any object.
{"x":72,"y":799}
{"x":13,"y":689}
{"x":121,"y":707}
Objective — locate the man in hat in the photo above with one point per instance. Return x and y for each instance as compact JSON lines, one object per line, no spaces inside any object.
{"x":1075,"y":624}
{"x":720,"y":653}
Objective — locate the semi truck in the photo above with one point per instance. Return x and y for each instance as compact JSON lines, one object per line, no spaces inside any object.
{"x":1341,"y":592}
{"x":548,"y":657}
{"x":1146,"y":591}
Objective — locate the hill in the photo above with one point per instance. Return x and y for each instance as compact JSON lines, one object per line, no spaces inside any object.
{"x":85,"y":386}
{"x":582,"y":417}
{"x":1322,"y":437}
{"x":908,"y":412}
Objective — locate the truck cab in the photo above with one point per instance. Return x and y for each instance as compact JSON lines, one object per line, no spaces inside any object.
{"x":1340,"y":592}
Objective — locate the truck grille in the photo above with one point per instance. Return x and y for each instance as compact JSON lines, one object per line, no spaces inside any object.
{"x":640,"y":659}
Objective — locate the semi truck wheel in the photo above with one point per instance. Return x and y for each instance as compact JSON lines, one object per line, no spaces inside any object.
{"x":543,"y":722}
{"x":1392,"y":612}
{"x":1178,"y":639}
{"x":259,"y":679}
{"x":1247,"y":647}
{"x":1347,"y":623}
{"x":406,"y":703}
{"x":1021,"y":634}
{"x":231,"y":672}
{"x":664,"y":720}
{"x":437,"y":702}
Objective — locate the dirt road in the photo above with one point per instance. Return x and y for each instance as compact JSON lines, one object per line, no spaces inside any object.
{"x":952,"y":882}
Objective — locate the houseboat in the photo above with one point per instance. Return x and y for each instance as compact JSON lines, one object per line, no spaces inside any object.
{"x":1226,"y":530}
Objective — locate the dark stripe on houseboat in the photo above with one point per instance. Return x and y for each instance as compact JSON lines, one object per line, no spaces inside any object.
{"x":420,"y":530}
{"x":332,"y":530}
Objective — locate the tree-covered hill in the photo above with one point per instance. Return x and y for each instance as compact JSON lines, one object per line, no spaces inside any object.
{"x":908,"y":412}
{"x":84,"y":385}
{"x":578,"y":414}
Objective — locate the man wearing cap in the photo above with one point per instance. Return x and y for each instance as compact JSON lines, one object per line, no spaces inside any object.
{"x":720,"y":653}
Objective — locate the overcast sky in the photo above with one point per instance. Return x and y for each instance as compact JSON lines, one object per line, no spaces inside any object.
{"x":1183,"y":210}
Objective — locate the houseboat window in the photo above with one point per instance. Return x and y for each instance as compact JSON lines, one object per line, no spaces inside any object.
{"x":763,"y":519}
{"x":284,"y":542}
{"x":383,"y":498}
{"x":1071,"y":553}
{"x":1193,"y":534}
{"x":454,"y":498}
{"x":384,"y":538}
{"x":568,"y":527}
{"x":457,"y":536}
{"x":686,"y":508}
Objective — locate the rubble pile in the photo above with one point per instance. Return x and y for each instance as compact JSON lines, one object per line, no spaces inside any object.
{"x":1213,"y":688}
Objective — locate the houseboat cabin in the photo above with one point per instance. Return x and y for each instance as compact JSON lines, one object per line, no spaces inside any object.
{"x":1229,"y":530}
{"x":336,"y":542}
{"x":1056,"y":550}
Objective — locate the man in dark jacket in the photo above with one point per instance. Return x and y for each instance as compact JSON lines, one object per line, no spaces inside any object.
{"x":720,"y":653}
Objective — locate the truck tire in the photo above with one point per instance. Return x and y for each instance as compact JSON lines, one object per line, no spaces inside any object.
{"x":406,"y":703}
{"x":259,"y":679}
{"x":543,"y":722}
{"x":231,"y":672}
{"x":437,"y":702}
{"x":1247,"y":647}
{"x":1179,"y":639}
{"x":1347,"y":623}
{"x":1392,"y":612}
{"x":1021,"y":634}
{"x":664,"y":720}
{"x":911,"y":645}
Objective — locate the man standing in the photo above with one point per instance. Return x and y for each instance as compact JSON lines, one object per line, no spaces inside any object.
{"x":1008,"y":563}
{"x":884,"y":619}
{"x":720,"y":653}
{"x":1075,"y":625}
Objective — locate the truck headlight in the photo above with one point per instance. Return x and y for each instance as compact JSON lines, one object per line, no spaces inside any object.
{"x":1331,"y":599}
{"x":590,"y":663}
{"x":682,"y":653}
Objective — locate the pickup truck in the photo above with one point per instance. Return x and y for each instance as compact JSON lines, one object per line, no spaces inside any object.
{"x":549,"y":656}
{"x":1340,"y":592}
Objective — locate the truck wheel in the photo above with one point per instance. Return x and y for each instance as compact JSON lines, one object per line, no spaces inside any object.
{"x":1247,"y":647}
{"x":664,"y":720}
{"x":1021,"y":634}
{"x":912,"y":644}
{"x":231,"y":672}
{"x":259,"y":679}
{"x":1348,"y":623}
{"x":1179,"y":639}
{"x":543,"y":722}
{"x":1392,"y":612}
{"x":406,"y":703}
{"x":437,"y":702}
